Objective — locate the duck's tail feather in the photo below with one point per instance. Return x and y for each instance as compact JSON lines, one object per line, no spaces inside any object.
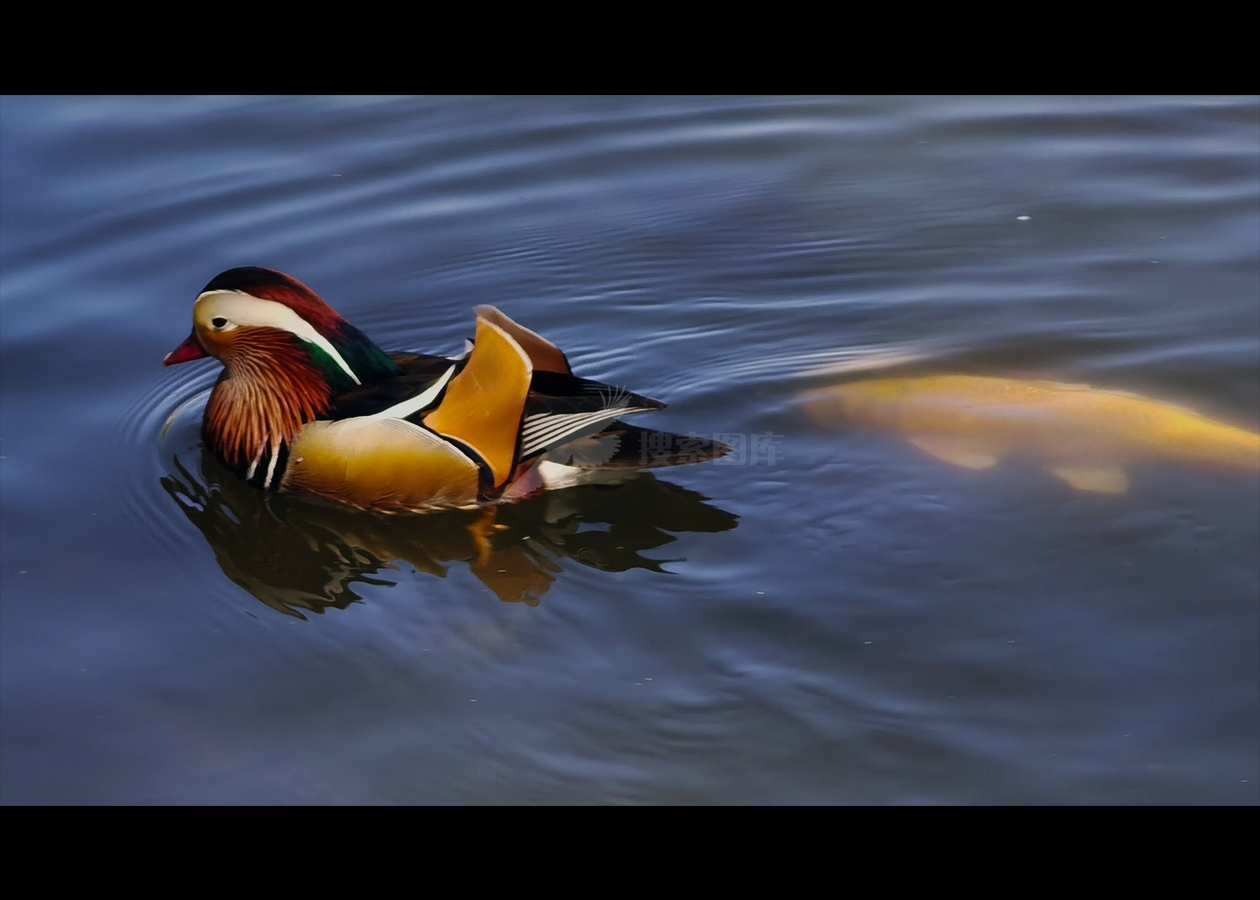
{"x":610,"y":455}
{"x":622,"y":446}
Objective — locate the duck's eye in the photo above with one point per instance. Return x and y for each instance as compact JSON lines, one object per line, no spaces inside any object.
{"x":218,"y":321}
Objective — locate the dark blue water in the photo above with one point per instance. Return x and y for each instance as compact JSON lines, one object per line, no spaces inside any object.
{"x":830,"y":617}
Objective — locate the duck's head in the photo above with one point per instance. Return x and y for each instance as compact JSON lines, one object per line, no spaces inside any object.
{"x":247,"y":314}
{"x":286,"y":353}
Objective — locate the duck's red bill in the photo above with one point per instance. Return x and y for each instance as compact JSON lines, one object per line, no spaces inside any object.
{"x":190,"y":349}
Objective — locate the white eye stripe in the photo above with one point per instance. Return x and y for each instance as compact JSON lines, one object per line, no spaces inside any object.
{"x":241,"y":309}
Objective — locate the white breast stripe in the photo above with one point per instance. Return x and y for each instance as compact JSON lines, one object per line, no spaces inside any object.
{"x":240,"y":309}
{"x":271,"y":469}
{"x":254,"y":465}
{"x":416,"y":403}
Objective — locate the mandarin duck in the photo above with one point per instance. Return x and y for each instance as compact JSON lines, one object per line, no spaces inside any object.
{"x":307,"y":403}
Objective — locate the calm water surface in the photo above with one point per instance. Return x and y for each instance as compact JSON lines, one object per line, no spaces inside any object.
{"x":836,"y":618}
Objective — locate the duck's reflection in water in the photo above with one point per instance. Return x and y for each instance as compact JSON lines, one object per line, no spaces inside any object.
{"x":296,"y":555}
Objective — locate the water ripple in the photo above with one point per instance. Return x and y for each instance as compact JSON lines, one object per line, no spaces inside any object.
{"x":161,"y":424}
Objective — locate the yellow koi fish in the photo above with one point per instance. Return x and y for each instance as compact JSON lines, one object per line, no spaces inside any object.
{"x":1082,"y":435}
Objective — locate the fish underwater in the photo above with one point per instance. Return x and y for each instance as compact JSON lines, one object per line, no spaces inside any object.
{"x":1085,"y":436}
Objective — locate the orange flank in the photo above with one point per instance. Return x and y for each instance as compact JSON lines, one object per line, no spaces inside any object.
{"x":386,"y":464}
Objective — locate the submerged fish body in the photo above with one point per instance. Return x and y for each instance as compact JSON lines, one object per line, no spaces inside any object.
{"x":1084,"y":436}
